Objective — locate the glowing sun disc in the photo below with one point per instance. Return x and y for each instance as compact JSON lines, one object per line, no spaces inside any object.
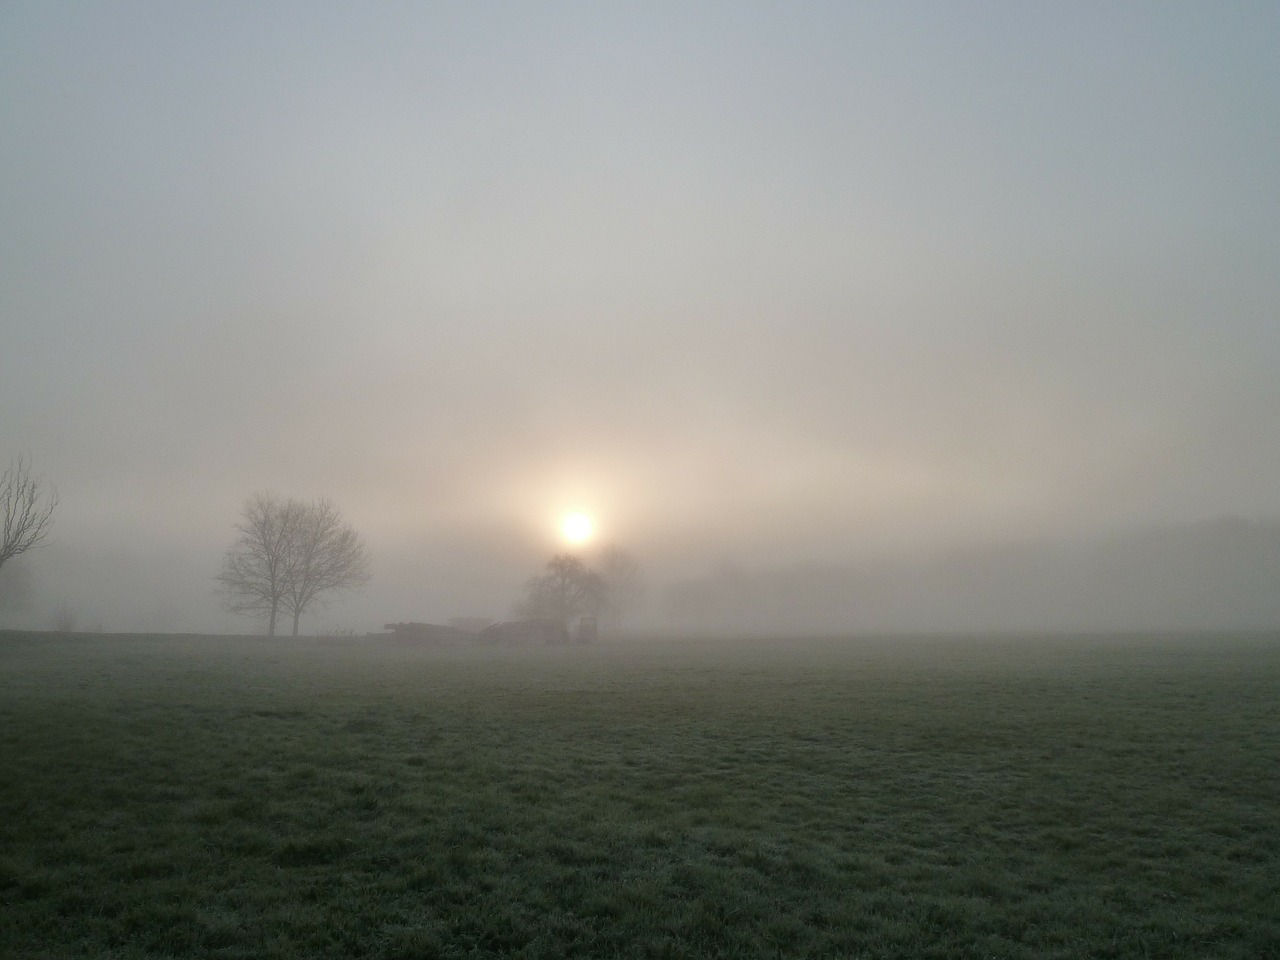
{"x":576,"y":527}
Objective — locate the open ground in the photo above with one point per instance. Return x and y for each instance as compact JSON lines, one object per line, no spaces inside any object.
{"x":959,"y":797}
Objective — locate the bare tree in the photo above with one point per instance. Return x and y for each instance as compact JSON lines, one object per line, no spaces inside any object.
{"x":289,"y":555}
{"x":622,"y":585}
{"x":325,"y":555}
{"x":253,"y":575}
{"x":566,"y":590}
{"x":27,"y":510}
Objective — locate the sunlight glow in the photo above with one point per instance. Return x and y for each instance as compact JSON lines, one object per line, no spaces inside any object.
{"x":576,"y":527}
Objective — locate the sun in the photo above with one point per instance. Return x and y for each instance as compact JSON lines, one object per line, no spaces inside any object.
{"x":576,"y":527}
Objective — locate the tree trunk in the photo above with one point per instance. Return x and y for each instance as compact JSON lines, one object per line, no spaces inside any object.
{"x":296,"y":615}
{"x":271,"y":625}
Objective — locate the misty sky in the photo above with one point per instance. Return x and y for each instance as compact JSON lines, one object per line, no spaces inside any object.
{"x":760,"y":283}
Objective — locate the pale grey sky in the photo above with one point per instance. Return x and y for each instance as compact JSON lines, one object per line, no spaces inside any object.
{"x":763,"y":283}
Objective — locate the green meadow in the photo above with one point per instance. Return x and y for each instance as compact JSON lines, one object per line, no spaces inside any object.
{"x":957,"y":797}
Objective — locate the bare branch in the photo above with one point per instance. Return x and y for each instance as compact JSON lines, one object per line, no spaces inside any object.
{"x":27,"y":510}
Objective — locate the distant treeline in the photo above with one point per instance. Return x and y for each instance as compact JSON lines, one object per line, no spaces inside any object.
{"x":1220,"y":574}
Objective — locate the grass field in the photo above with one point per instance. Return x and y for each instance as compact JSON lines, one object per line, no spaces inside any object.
{"x":870,"y":797}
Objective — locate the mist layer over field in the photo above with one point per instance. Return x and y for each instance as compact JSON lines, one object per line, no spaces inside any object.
{"x":877,"y":797}
{"x":836,"y":316}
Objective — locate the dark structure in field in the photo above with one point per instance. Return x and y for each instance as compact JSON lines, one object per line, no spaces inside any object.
{"x":428,"y":633}
{"x":531,"y":630}
{"x":535,"y":630}
{"x":470,"y":624}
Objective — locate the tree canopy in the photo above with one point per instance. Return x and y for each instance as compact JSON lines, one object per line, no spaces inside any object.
{"x":289,"y":555}
{"x":567,"y":589}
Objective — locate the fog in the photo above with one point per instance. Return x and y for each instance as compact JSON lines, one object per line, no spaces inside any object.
{"x":874,"y":316}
